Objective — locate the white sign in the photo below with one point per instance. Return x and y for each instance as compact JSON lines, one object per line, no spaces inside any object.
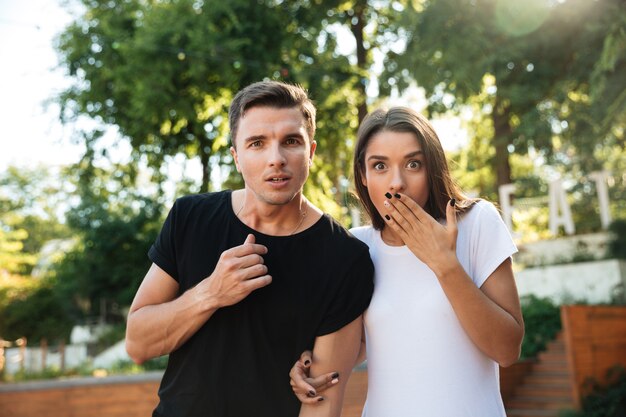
{"x":560,"y":211}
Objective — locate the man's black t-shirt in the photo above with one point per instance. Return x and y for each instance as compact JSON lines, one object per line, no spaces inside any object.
{"x":237,"y":364}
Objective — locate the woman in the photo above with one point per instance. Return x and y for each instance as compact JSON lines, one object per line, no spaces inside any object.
{"x":445,"y":310}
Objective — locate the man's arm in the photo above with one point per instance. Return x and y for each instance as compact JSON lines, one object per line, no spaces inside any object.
{"x":337,"y":351}
{"x":159,"y":322}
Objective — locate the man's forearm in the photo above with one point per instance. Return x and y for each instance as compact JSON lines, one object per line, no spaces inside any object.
{"x":156,"y":330}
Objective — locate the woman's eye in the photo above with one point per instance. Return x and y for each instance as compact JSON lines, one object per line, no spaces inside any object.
{"x":414,"y":164}
{"x":379,"y":166}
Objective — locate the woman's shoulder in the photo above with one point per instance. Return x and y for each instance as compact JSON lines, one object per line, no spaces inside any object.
{"x":481,"y":209}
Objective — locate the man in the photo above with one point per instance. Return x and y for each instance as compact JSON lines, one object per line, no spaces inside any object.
{"x":243,"y":281}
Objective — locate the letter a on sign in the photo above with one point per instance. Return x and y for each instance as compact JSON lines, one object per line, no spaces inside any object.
{"x":558,"y":204}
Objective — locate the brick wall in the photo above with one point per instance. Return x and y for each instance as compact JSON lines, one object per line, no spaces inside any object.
{"x":116,"y":396}
{"x":595,"y":341}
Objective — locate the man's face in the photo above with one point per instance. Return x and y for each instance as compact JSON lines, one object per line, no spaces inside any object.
{"x":273,"y":152}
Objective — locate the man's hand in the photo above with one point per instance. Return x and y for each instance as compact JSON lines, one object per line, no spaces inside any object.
{"x":308,"y":389}
{"x":239,"y":271}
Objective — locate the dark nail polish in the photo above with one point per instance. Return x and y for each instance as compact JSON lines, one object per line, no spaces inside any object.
{"x":311,"y":394}
{"x":387,"y":217}
{"x":453,"y":202}
{"x":396,"y":195}
{"x":335,"y":375}
{"x":388,"y":195}
{"x":307,"y":362}
{"x":320,"y":399}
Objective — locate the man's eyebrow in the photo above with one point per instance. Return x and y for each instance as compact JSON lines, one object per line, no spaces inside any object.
{"x":253,"y":138}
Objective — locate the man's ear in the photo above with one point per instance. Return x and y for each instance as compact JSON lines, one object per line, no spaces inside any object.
{"x":312,"y":152}
{"x":233,"y":152}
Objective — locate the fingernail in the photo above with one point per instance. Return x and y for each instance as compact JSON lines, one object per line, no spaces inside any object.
{"x":386,"y":203}
{"x":311,"y":393}
{"x":334,"y":381}
{"x":320,"y":399}
{"x":335,"y":375}
{"x":387,"y":217}
{"x":396,"y":195}
{"x":453,"y":202}
{"x":307,"y":362}
{"x":388,"y":195}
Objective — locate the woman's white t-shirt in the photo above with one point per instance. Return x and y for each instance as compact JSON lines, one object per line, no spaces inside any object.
{"x":420,"y":361}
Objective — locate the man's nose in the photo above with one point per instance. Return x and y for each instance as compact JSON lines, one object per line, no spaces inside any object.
{"x":277,"y":156}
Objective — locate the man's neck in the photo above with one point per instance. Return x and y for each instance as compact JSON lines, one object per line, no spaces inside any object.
{"x":274,"y":219}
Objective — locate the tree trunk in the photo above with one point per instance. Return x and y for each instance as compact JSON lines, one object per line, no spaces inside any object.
{"x":501,"y":140}
{"x":204,"y":160}
{"x":357,"y":27}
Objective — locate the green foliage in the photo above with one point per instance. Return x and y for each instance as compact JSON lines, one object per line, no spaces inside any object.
{"x":34,"y":310}
{"x":48,"y":373}
{"x":617,"y":244}
{"x":542,"y":321}
{"x":129,"y":367}
{"x":548,"y":68}
{"x":119,"y":368}
{"x":604,"y":400}
{"x":115,"y":222}
{"x":29,"y":201}
{"x":164,"y":73}
{"x":108,"y":338}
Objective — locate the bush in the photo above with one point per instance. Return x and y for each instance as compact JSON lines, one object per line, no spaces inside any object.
{"x":617,"y":244}
{"x":542,"y":320}
{"x":608,"y":400}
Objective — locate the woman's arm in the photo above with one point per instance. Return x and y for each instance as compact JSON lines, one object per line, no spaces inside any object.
{"x":309,"y":389}
{"x":490,"y":315}
{"x":334,"y":352}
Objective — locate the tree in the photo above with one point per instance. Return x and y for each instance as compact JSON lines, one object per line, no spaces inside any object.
{"x":163,"y":71}
{"x":115,"y":221}
{"x":525,"y":54}
{"x":29,"y":217}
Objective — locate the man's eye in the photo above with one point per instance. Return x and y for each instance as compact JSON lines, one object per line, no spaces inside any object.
{"x":291,"y":141}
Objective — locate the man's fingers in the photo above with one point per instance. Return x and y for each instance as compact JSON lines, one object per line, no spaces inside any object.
{"x":250,"y":260}
{"x":256,"y":283}
{"x":248,"y":249}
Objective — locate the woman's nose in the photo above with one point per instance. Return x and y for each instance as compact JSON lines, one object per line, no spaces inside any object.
{"x":397,"y":182}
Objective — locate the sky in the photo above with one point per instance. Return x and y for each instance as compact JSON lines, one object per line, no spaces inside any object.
{"x":31,"y":132}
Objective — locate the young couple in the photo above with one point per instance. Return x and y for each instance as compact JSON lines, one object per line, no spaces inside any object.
{"x":242,"y":282}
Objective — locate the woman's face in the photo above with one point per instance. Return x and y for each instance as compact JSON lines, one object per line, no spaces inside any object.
{"x":394,"y":163}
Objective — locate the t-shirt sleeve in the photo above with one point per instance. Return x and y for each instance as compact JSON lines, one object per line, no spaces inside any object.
{"x":352,"y":296}
{"x":163,"y":250}
{"x":491,"y":242}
